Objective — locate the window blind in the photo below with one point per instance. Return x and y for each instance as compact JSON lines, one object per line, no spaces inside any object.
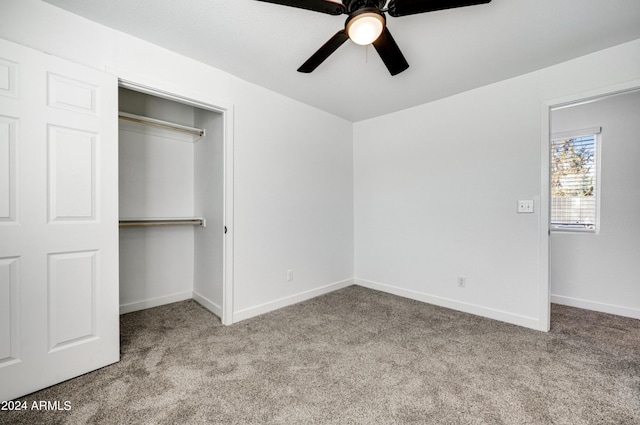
{"x":574,"y":180}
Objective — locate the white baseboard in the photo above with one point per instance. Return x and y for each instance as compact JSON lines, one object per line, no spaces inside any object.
{"x":596,"y":306}
{"x":503,"y":316}
{"x":208,"y":304}
{"x":155,"y":302}
{"x":290,"y":300}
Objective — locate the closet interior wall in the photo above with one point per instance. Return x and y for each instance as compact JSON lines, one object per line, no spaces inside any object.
{"x":167,"y":174}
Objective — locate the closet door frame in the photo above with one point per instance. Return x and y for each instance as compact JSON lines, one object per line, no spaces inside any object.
{"x":226,"y":110}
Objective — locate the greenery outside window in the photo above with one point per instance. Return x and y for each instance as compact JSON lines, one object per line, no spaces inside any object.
{"x":575,"y":190}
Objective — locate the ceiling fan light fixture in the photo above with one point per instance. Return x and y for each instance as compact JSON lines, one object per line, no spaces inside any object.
{"x":365,"y":28}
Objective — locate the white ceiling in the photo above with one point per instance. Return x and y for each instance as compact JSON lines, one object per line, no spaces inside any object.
{"x":449,"y":51}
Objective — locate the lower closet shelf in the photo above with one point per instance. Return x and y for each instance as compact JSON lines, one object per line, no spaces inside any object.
{"x":173,"y":221}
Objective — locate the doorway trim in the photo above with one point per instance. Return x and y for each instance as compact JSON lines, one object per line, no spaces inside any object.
{"x":227,"y":112}
{"x":547,"y":107}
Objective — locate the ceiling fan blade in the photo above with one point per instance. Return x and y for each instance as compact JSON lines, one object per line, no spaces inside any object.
{"x":323,"y":6}
{"x":410,"y":7}
{"x":324,"y":52}
{"x":390,"y":53}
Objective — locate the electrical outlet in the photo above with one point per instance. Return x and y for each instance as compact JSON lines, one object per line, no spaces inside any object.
{"x":462,"y":281}
{"x":289,"y":275}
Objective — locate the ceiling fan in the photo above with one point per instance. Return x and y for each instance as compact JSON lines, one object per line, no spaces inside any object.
{"x":367,"y":24}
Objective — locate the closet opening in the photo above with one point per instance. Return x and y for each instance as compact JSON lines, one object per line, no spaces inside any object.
{"x":171,"y":202}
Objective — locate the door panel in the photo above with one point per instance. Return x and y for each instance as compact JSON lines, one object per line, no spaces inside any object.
{"x":58,"y":220}
{"x":72,"y":95}
{"x":72,"y":288}
{"x":7,"y":168}
{"x":8,"y":80}
{"x":72,"y":175}
{"x":8,"y":310}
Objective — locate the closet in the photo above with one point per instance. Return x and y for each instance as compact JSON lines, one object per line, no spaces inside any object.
{"x":171,"y":202}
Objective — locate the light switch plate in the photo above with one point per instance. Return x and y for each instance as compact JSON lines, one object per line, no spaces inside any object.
{"x":525,"y":206}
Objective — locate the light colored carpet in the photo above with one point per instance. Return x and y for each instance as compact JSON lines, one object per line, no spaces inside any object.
{"x":357,"y":356}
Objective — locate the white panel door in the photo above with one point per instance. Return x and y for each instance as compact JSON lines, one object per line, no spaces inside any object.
{"x":58,"y":220}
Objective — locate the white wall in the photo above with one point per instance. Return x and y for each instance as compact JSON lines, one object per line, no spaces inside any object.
{"x":599,"y":271}
{"x":436,"y":188}
{"x":293,"y":179}
{"x":295,"y":207}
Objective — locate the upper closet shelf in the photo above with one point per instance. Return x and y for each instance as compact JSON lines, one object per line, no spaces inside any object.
{"x":155,"y":127}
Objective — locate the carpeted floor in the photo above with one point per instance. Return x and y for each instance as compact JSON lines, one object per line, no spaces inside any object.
{"x":357,"y":356}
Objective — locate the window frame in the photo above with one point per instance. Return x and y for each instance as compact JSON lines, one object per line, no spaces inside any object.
{"x":596,"y":132}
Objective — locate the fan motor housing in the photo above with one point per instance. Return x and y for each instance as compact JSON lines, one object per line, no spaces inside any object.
{"x":354,"y":5}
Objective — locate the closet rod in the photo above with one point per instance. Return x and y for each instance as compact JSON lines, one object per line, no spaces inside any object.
{"x":159,"y":123}
{"x":162,"y":222}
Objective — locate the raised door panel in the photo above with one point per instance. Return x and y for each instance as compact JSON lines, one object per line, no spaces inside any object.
{"x":72,"y":290}
{"x":9,"y":310}
{"x":72,"y":174}
{"x":8,"y":187}
{"x":71,"y":94}
{"x":8,"y":78}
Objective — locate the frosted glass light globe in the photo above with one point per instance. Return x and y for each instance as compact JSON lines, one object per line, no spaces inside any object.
{"x":365,"y":28}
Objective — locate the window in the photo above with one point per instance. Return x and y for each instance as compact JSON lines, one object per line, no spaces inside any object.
{"x":574,"y":185}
